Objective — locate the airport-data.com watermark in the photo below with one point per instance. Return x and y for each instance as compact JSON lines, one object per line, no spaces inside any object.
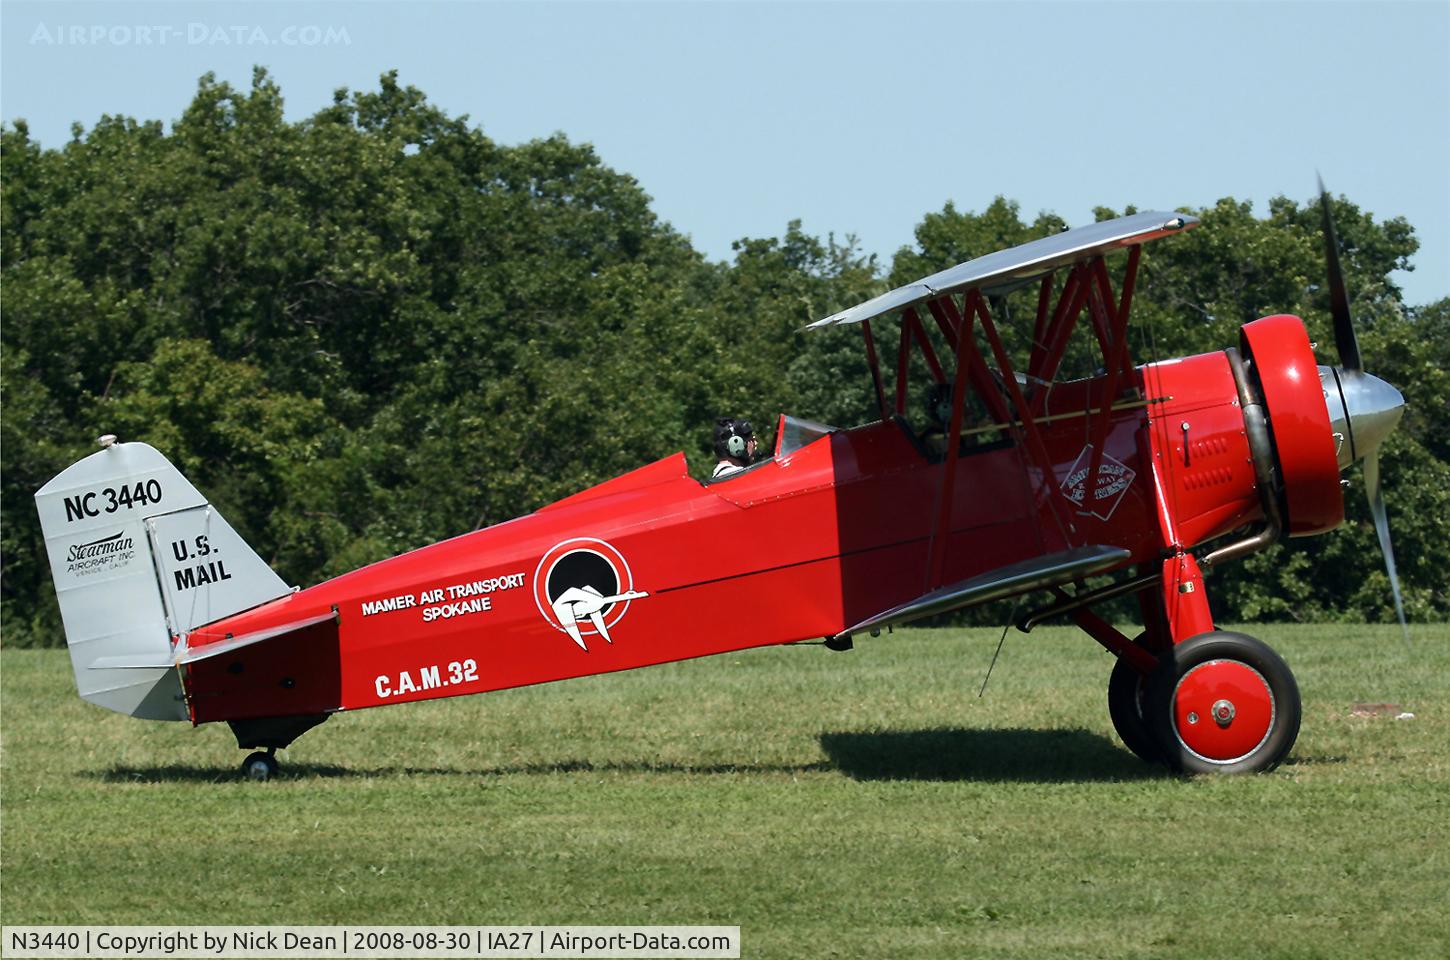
{"x":196,"y":34}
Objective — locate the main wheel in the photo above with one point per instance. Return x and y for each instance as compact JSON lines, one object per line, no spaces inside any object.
{"x":1222,"y":703}
{"x":1126,"y":694}
{"x":259,"y":766}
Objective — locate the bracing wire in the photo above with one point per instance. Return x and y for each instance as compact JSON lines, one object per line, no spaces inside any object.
{"x":1000,"y":640}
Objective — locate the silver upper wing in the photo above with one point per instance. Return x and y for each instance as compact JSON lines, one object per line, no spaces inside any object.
{"x":1005,"y":269}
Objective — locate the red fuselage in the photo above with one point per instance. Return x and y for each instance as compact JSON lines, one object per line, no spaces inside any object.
{"x":801,"y":546}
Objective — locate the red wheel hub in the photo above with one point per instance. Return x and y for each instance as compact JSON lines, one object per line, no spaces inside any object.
{"x":1223,"y":710}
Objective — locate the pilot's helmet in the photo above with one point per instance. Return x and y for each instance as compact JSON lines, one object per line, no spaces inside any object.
{"x":732,"y":438}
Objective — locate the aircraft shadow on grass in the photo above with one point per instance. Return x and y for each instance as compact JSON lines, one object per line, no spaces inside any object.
{"x":181,"y":773}
{"x":178,"y":773}
{"x":1040,"y":756}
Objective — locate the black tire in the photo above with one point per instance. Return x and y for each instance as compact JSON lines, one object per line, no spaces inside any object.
{"x":1126,"y":697}
{"x":260,"y":766}
{"x":1221,"y":680}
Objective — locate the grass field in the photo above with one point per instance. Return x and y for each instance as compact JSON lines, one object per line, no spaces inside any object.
{"x":864,"y":804}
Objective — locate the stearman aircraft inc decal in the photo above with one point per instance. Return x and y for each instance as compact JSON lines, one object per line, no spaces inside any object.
{"x":102,"y":555}
{"x":1114,"y":478}
{"x":583,"y":587}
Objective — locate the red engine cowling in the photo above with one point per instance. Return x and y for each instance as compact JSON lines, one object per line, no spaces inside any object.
{"x":1282,"y":362}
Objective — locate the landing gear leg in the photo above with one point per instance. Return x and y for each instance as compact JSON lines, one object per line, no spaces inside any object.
{"x":1127,"y":685}
{"x":270,"y":734}
{"x":260,"y":766}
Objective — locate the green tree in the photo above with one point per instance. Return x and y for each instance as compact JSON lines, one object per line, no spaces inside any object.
{"x":376,"y":327}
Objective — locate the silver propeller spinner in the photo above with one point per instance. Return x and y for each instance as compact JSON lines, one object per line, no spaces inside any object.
{"x":1363,"y":409}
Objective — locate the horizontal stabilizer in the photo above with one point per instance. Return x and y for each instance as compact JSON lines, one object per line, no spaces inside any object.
{"x":187,"y":655}
{"x":1038,"y":573}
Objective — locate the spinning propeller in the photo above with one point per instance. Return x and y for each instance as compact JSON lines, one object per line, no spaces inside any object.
{"x":1368,"y":407}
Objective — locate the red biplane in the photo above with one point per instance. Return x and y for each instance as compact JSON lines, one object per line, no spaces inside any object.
{"x":1015,"y":481}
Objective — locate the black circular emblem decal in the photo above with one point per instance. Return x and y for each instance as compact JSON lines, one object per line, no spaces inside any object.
{"x":583,"y":587}
{"x":583,"y":568}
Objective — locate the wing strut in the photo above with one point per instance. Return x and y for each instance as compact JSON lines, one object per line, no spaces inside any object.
{"x":949,"y":319}
{"x":1115,"y":356}
{"x":911,"y":329}
{"x":1036,"y":447}
{"x":1087,"y":286}
{"x":968,"y":360}
{"x":1044,"y":363}
{"x":936,"y":556}
{"x":1125,"y":300}
{"x":1039,"y":327}
{"x":903,"y":361}
{"x":875,"y":369}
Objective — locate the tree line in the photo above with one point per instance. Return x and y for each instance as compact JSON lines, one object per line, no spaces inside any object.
{"x":376,"y":327}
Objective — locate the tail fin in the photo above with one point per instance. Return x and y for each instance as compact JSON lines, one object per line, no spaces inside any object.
{"x":140,"y":559}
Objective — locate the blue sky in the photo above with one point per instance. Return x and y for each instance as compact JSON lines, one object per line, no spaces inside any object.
{"x":855,"y":118}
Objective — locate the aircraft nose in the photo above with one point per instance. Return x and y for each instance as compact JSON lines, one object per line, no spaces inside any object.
{"x":1363,"y":410}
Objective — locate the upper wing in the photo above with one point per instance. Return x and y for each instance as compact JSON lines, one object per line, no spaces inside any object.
{"x":1000,"y":271}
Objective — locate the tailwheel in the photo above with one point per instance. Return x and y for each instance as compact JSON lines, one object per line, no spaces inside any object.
{"x":1222,"y":703}
{"x":260,"y":766}
{"x":1127,"y":689}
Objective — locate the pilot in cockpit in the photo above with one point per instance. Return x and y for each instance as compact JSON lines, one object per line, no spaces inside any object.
{"x":734,"y":445}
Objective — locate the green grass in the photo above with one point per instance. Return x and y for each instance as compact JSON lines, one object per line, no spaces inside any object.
{"x":865,"y":804}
